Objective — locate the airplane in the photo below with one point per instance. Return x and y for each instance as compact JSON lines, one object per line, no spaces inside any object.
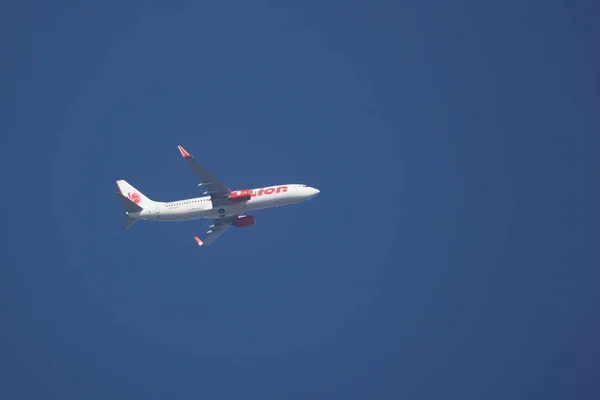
{"x":226,"y":207}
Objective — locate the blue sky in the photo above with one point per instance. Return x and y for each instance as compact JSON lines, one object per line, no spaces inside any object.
{"x":449,"y":254}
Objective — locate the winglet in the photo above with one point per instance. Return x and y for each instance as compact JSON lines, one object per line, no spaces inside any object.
{"x":200,"y":243}
{"x":184,"y":153}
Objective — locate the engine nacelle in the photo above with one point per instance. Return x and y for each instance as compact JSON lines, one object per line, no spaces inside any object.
{"x":244,"y":221}
{"x":240,"y":195}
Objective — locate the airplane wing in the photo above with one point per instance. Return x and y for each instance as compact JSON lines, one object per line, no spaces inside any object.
{"x":216,"y":229}
{"x":213,"y":186}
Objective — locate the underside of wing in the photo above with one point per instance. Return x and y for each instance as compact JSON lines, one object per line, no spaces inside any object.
{"x":212,"y":185}
{"x":218,"y":227}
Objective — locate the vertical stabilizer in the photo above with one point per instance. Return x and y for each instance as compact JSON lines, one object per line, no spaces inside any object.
{"x":133,"y":194}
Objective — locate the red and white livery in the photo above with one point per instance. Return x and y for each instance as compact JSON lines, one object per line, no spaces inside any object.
{"x":226,"y":207}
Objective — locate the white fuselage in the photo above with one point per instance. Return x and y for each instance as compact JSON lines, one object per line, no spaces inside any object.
{"x":202,"y":207}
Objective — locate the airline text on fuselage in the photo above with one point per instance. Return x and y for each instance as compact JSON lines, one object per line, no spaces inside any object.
{"x":278,"y":189}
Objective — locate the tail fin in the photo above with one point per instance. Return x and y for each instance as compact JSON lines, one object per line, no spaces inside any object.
{"x":128,"y":205}
{"x":133,"y":195}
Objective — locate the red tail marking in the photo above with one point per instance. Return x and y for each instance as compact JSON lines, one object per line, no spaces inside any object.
{"x":135,"y":197}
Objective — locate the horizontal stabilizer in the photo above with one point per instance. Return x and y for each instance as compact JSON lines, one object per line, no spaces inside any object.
{"x":128,"y":222}
{"x":129,"y":205}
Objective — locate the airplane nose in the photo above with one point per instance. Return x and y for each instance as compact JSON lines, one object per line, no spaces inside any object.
{"x":315,"y":191}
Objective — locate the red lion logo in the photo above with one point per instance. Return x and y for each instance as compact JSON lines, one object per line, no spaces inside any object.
{"x":135,"y":197}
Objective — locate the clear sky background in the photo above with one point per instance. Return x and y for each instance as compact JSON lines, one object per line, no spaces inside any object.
{"x":451,"y":253}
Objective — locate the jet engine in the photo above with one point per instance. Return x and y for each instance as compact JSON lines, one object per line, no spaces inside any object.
{"x":244,"y":221}
{"x":240,"y":195}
